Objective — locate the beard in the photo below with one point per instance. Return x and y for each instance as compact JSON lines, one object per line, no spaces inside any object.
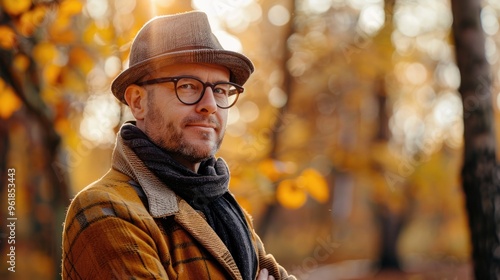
{"x":171,"y":138}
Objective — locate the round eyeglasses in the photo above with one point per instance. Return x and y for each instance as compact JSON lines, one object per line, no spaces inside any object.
{"x":190,"y":90}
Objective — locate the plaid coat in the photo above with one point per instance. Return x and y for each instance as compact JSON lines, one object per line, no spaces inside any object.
{"x":129,"y":225}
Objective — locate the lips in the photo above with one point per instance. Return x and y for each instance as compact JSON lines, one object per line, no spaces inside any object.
{"x":202,"y":125}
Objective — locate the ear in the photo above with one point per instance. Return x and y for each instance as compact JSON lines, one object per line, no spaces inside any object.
{"x":136,"y":98}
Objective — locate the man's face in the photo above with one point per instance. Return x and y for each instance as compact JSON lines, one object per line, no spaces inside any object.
{"x":191,"y":133}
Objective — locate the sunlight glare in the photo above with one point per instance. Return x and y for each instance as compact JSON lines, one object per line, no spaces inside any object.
{"x":228,"y":41}
{"x":360,"y":4}
{"x":112,"y":66}
{"x":316,"y":6}
{"x":124,"y":7}
{"x":491,"y":50}
{"x":371,"y":18}
{"x":97,"y":79}
{"x":448,"y":110}
{"x":416,"y":73}
{"x":101,"y":115}
{"x":278,"y":15}
{"x":277,"y":97}
{"x":97,"y":9}
{"x":489,"y":20}
{"x":448,"y":75}
{"x":249,"y":111}
{"x":164,"y":3}
{"x":416,"y":18}
{"x":233,"y":115}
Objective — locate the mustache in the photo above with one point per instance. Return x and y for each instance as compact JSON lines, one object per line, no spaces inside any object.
{"x":202,"y":119}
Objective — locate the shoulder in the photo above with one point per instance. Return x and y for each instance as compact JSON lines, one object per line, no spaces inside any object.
{"x":112,"y":195}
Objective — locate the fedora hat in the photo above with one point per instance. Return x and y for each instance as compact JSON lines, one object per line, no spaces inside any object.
{"x":177,"y":39}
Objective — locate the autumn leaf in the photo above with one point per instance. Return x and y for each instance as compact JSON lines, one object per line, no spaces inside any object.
{"x":70,"y":7}
{"x":80,"y":58}
{"x":290,"y":195}
{"x":315,"y":184}
{"x":51,"y":74}
{"x":7,"y":37}
{"x":21,"y":63}
{"x":30,"y":20}
{"x":60,"y":30}
{"x":45,"y":53}
{"x":270,"y":169}
{"x":10,"y":102}
{"x":16,"y":7}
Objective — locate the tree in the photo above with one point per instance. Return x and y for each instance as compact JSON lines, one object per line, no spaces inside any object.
{"x":480,"y":182}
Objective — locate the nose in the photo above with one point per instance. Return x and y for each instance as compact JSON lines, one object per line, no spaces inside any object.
{"x":207,"y":104}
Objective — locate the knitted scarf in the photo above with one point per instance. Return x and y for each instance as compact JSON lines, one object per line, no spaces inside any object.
{"x":206,"y":191}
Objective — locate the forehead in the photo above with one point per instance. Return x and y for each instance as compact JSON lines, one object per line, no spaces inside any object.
{"x":193,"y":69}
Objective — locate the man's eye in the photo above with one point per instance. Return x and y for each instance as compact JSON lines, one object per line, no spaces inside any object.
{"x":187,"y":86}
{"x":220,"y":91}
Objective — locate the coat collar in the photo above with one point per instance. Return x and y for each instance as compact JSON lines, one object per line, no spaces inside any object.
{"x":162,"y":200}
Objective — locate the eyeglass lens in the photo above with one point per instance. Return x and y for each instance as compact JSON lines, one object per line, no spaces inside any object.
{"x":190,"y":90}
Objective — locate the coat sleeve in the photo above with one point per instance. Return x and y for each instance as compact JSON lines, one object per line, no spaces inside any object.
{"x":104,"y":238}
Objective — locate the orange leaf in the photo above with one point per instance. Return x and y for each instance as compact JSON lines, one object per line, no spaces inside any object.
{"x":315,"y":184}
{"x":7,"y":37}
{"x":270,"y":168}
{"x":10,"y":102}
{"x":51,"y":74}
{"x":16,"y":7}
{"x":290,"y":195}
{"x":30,"y":20}
{"x":21,"y":62}
{"x":80,"y":58}
{"x":70,"y":7}
{"x":45,"y":53}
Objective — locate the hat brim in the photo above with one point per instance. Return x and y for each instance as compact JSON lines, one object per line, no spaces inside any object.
{"x":238,"y":64}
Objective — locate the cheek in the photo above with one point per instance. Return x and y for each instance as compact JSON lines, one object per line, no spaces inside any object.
{"x":223,"y":117}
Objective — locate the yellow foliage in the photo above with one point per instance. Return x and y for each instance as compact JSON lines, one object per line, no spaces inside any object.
{"x":275,"y":169}
{"x":80,"y":58}
{"x":315,"y":184}
{"x":45,"y":53}
{"x":245,"y":204}
{"x":60,"y":31}
{"x":72,"y":80}
{"x":88,"y":34}
{"x":7,"y":37}
{"x":62,"y":126}
{"x":50,"y":95}
{"x":51,"y":74}
{"x":31,"y":19}
{"x":21,"y":62}
{"x":101,"y":35}
{"x":269,"y":168}
{"x":16,"y":7}
{"x":290,"y":195}
{"x":70,"y":7}
{"x":10,"y":102}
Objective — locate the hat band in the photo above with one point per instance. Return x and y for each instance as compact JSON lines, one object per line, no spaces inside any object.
{"x":191,"y":48}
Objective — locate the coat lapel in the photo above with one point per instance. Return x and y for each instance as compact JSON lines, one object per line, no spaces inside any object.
{"x":194,"y":223}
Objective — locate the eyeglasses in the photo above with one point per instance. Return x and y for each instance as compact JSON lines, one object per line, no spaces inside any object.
{"x":190,"y":90}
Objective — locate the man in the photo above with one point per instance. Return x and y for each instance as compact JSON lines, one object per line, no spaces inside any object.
{"x":164,"y":211}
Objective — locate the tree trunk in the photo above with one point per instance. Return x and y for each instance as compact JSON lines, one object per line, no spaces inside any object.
{"x":277,"y":128}
{"x":480,"y":182}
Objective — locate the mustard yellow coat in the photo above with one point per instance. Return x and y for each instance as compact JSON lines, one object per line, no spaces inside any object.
{"x":129,"y":225}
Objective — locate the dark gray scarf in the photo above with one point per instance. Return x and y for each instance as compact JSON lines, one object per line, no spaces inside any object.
{"x":206,"y":191}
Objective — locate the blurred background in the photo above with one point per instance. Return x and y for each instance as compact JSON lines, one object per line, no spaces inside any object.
{"x":346,"y":146}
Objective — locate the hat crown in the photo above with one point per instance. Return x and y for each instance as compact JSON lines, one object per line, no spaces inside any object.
{"x":166,"y":34}
{"x":178,"y":39}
